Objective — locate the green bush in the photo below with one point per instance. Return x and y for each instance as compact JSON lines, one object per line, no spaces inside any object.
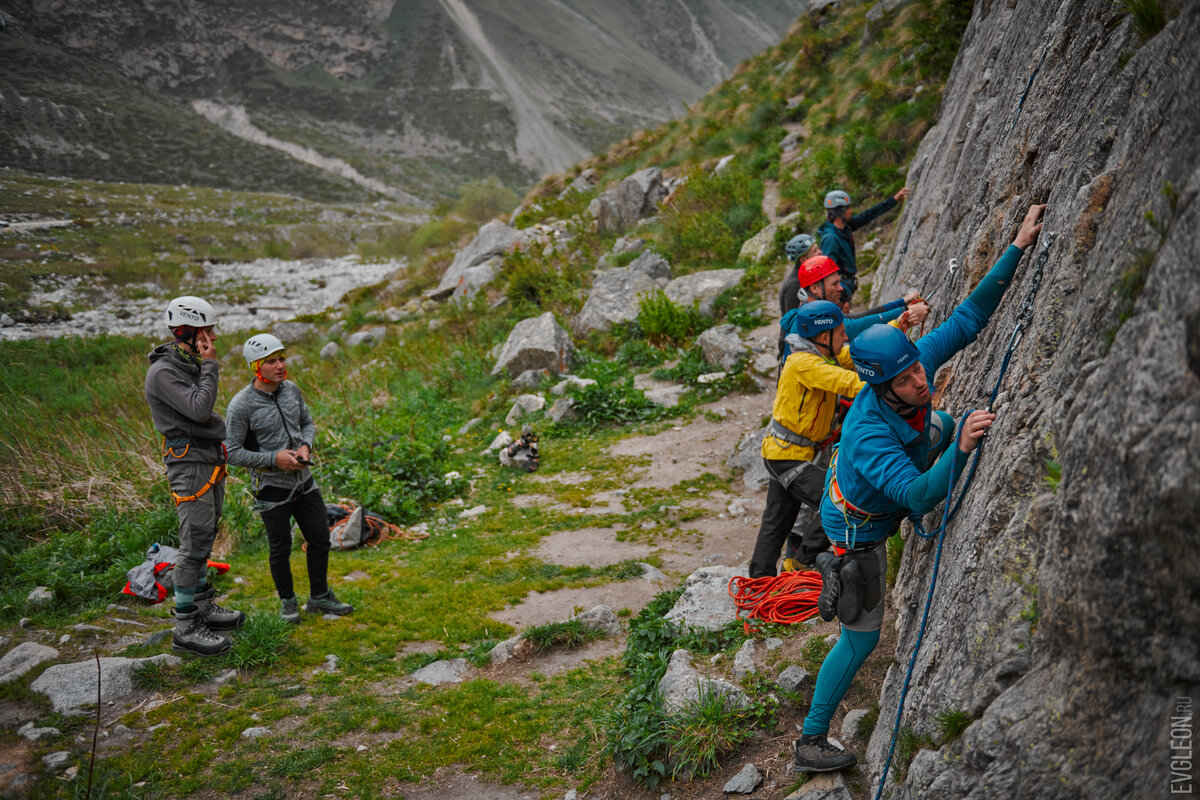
{"x":711,"y":217}
{"x":664,"y":322}
{"x":480,"y":201}
{"x":706,"y":729}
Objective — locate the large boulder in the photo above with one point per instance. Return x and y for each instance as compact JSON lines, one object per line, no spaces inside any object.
{"x":615,"y":297}
{"x":721,"y":345}
{"x":494,"y":239}
{"x":475,"y":278}
{"x":634,"y":198}
{"x":71,"y":686}
{"x":653,"y":266}
{"x":439,"y":672}
{"x":705,"y":602}
{"x":22,"y":658}
{"x":535,"y":343}
{"x":681,"y":685}
{"x":702,"y":288}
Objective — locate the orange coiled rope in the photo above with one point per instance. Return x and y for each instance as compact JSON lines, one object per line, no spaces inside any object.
{"x":787,"y":599}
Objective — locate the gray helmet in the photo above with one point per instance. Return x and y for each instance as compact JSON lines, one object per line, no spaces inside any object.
{"x":837,"y":199}
{"x":260,"y":346}
{"x":798,"y":245}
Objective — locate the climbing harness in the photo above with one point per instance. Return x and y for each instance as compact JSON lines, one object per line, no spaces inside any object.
{"x":787,"y":599}
{"x":219,"y":471}
{"x":217,"y":476}
{"x":951,"y":508}
{"x":1028,"y":86}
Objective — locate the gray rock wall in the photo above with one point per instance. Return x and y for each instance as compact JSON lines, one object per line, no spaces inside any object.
{"x":1065,"y":618}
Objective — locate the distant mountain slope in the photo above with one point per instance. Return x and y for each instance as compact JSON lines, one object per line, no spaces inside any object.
{"x":418,"y":96}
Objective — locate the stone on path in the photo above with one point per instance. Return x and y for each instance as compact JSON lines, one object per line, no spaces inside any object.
{"x":22,"y":658}
{"x":256,"y":732}
{"x":852,"y":722}
{"x":745,"y":781}
{"x":71,"y":686}
{"x":33,"y":734}
{"x":822,"y":786}
{"x":792,"y":678}
{"x":440,"y":672}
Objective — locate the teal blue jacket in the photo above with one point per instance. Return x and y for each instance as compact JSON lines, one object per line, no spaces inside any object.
{"x":877,"y":462}
{"x":838,"y":243}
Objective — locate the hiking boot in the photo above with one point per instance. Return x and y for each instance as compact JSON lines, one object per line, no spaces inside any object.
{"x":814,"y":753}
{"x":827,"y":565}
{"x":192,"y":635}
{"x":215,"y":617}
{"x":290,"y":610}
{"x":327,"y":604}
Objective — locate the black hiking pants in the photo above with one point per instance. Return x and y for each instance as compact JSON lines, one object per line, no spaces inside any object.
{"x":308,"y":509}
{"x":784,"y":507}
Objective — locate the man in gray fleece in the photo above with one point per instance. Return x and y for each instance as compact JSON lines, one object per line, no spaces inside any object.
{"x":181,"y":388}
{"x":271,"y":432}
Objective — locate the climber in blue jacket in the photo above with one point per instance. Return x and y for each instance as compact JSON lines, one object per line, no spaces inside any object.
{"x":888,"y":467}
{"x":837,"y":232}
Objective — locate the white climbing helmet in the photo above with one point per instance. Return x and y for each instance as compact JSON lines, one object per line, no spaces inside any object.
{"x":260,"y":346}
{"x":188,"y":310}
{"x":837,"y":199}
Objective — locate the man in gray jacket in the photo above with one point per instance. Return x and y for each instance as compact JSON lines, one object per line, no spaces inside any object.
{"x":271,"y":432}
{"x":181,"y":388}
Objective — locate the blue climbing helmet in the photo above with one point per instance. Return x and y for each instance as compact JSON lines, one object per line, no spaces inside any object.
{"x":798,"y":246}
{"x":882,"y":352}
{"x":817,"y":317}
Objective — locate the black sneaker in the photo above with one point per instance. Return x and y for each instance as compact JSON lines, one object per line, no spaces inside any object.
{"x":828,"y":564}
{"x":814,"y":753}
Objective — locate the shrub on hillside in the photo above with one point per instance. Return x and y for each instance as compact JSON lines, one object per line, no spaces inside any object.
{"x":664,"y":322}
{"x":712,"y":215}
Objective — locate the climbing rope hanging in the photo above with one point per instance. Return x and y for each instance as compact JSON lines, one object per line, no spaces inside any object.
{"x":1024,"y":313}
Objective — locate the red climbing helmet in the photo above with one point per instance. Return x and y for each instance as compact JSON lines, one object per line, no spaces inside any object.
{"x":814,"y":269}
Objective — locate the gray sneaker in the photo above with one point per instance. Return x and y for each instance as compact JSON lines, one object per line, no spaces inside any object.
{"x":192,"y":635}
{"x":290,"y":610}
{"x":327,"y":604}
{"x":215,"y":617}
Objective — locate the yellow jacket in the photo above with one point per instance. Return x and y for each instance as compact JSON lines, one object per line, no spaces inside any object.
{"x":806,"y":400}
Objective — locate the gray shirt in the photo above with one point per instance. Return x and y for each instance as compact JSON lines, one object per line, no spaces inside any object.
{"x":263,"y":423}
{"x":182,"y":397}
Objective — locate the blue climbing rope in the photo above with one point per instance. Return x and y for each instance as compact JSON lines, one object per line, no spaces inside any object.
{"x":951,"y":508}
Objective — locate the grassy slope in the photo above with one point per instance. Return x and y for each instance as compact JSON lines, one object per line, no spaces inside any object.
{"x":76,"y":436}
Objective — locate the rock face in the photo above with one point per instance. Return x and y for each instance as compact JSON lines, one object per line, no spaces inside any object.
{"x":1072,"y":683}
{"x":635,"y":197}
{"x":494,"y":239}
{"x":615,"y":297}
{"x":535,"y":343}
{"x":703,"y":287}
{"x":71,"y":686}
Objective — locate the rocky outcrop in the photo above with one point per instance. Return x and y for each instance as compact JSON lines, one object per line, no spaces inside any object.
{"x":494,"y":239}
{"x":722,"y":346}
{"x":615,"y":297}
{"x":72,"y":686}
{"x":702,"y":288}
{"x":535,"y":343}
{"x":705,"y":602}
{"x":1064,"y":615}
{"x":632,"y":199}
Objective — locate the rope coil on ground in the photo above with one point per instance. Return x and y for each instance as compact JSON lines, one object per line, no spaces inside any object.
{"x":786,"y":599}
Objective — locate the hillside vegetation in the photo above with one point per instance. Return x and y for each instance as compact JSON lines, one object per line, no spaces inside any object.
{"x":81,"y":492}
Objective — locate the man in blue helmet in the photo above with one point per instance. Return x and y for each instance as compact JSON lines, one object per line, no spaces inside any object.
{"x":837,"y":232}
{"x":888,"y":467}
{"x":813,"y":377}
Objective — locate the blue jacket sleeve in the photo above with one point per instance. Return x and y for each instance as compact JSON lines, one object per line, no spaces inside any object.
{"x":880,"y":309}
{"x":971,"y":315}
{"x":888,"y":468}
{"x":879,"y":209}
{"x":934,"y":484}
{"x":857,"y":325}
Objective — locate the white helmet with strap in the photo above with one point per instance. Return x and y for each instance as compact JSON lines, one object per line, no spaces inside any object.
{"x":260,"y":346}
{"x":188,"y":310}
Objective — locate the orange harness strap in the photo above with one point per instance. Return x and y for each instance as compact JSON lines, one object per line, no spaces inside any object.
{"x":219,"y":473}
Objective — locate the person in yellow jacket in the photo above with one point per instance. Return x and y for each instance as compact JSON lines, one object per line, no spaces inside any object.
{"x":817,"y":372}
